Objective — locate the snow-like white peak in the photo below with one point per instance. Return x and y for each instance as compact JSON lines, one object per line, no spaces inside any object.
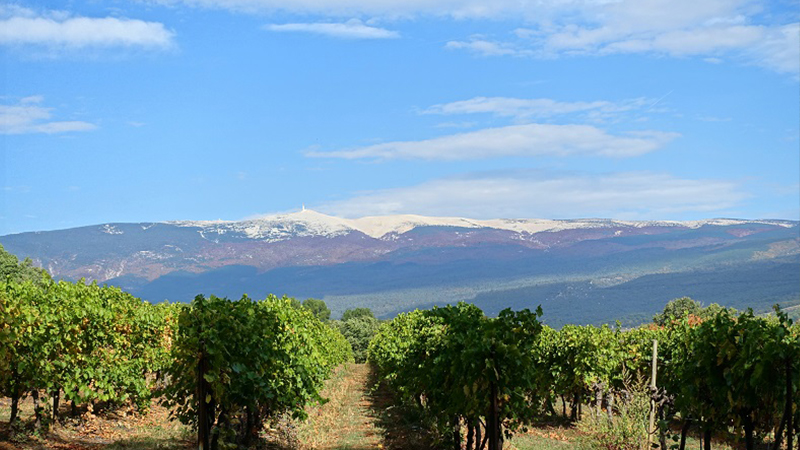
{"x":307,"y":222}
{"x":303,"y":223}
{"x":111,"y":229}
{"x":728,"y":222}
{"x":199,"y":223}
{"x":378,"y":226}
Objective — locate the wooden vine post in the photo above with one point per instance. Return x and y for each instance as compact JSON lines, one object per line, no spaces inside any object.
{"x":202,"y":406}
{"x":493,"y":421}
{"x":651,"y":429}
{"x":789,"y":397}
{"x":203,"y":428}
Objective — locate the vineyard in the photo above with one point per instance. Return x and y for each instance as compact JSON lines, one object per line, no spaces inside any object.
{"x":494,"y":376}
{"x":230,"y":368}
{"x":224,"y":367}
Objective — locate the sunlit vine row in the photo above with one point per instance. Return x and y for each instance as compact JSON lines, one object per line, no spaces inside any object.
{"x":728,"y":372}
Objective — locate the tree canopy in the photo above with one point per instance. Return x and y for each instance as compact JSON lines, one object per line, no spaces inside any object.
{"x":675,"y":309}
{"x":12,"y":269}
{"x":359,"y":331}
{"x":318,"y":308}
{"x":684,"y":306}
{"x":357,"y":312}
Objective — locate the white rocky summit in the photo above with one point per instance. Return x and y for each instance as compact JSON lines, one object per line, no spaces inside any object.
{"x":308,"y":222}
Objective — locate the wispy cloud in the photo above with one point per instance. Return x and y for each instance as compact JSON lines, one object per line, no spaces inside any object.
{"x":779,"y":49}
{"x":522,"y":109}
{"x":713,"y":119}
{"x":352,"y":29}
{"x":20,"y":188}
{"x":28,"y":117}
{"x":344,"y":8}
{"x":743,"y":30}
{"x":775,"y":47}
{"x":58,"y":29}
{"x":457,"y":125}
{"x":32,"y":99}
{"x":538,"y":194}
{"x":515,"y":140}
{"x":483,"y":47}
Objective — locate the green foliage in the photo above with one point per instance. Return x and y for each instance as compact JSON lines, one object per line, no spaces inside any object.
{"x":263,"y":359}
{"x":677,"y":309}
{"x":713,"y":309}
{"x":359,"y":331}
{"x":627,"y":431}
{"x":12,"y":269}
{"x":357,"y":312}
{"x":93,"y":343}
{"x":730,"y":371}
{"x":727,"y":371}
{"x":318,"y":308}
{"x":724,"y":370}
{"x":685,"y":306}
{"x":98,"y":343}
{"x":270,"y":357}
{"x":446,"y":360}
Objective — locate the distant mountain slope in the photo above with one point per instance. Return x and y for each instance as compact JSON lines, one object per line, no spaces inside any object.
{"x":355,"y":260}
{"x":756,"y":285}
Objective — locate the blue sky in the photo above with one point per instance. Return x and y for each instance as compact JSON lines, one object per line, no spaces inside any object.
{"x":133,"y":111}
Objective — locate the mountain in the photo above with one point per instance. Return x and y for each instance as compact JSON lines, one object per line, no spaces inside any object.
{"x":395,"y":263}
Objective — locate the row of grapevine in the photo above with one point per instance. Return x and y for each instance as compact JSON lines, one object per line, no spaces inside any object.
{"x":731,"y":372}
{"x":90,"y":343}
{"x":242,"y":362}
{"x":256,"y":360}
{"x":593,"y":365}
{"x":737,"y":372}
{"x":460,"y":366}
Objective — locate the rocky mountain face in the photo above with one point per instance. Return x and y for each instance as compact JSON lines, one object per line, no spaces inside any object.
{"x":312,"y":254}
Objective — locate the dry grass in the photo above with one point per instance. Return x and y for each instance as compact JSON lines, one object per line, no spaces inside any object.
{"x":356,"y":417}
{"x":346,"y":421}
{"x":118,"y":429}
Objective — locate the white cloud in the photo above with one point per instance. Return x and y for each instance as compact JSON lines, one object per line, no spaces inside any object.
{"x":352,"y":29}
{"x":394,"y":8}
{"x":514,"y":140}
{"x":779,"y":49}
{"x":775,"y":47}
{"x":700,"y":41}
{"x":457,"y":125}
{"x":647,"y":12}
{"x":747,"y":30}
{"x":713,"y":119}
{"x":679,"y":28}
{"x":32,"y":99}
{"x":11,"y":10}
{"x":521,"y":108}
{"x":537,"y":194}
{"x":483,"y":47}
{"x":27,"y":117}
{"x":22,"y":26}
